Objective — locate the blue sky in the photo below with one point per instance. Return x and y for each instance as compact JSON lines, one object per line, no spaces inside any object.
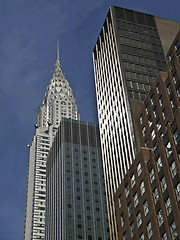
{"x":29,"y":30}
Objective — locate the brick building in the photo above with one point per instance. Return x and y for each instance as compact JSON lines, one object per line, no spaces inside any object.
{"x":147,"y":201}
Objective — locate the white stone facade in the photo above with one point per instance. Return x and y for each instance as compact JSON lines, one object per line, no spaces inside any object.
{"x":58,"y":102}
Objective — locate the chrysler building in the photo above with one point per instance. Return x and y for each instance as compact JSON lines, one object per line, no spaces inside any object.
{"x":58,"y":102}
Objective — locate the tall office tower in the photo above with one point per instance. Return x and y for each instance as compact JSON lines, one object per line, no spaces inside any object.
{"x":147,"y":201}
{"x":58,"y":102}
{"x":75,"y":197}
{"x":127,"y":57}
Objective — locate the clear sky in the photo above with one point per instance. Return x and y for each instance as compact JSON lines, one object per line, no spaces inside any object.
{"x":28,"y":33}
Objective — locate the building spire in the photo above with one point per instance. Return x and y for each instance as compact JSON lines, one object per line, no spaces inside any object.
{"x":58,"y":48}
{"x":58,"y":65}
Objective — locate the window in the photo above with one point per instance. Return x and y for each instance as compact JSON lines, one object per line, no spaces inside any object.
{"x":169,"y":88}
{"x":147,"y":87}
{"x":122,"y":220}
{"x":153,"y":134}
{"x":168,"y":149}
{"x":127,"y":190}
{"x":136,"y":201}
{"x":159,"y":164}
{"x":127,"y":74}
{"x":164,"y":236}
{"x":143,"y":131}
{"x":155,"y":195}
{"x":145,"y":206}
{"x":152,"y":99}
{"x":173,"y":169}
{"x":160,"y":217}
{"x":177,"y":44}
{"x":158,"y":88}
{"x":150,"y":121}
{"x":124,"y":236}
{"x":161,"y":100}
{"x":168,"y":206}
{"x":124,"y":56}
{"x":133,"y":182}
{"x":132,"y":229}
{"x":176,"y":136}
{"x":129,"y":84}
{"x":142,"y":188}
{"x":139,"y":169}
{"x":130,"y":209}
{"x":141,"y":119}
{"x":139,"y":219}
{"x":146,"y":143}
{"x":149,"y":230}
{"x":173,"y":230}
{"x":143,"y":96}
{"x":171,"y":56}
{"x":130,"y":57}
{"x":147,"y":109}
{"x":120,"y":201}
{"x":175,"y":78}
{"x":177,"y":189}
{"x":155,"y":112}
{"x":158,"y":124}
{"x":178,"y":91}
{"x":163,"y":184}
{"x":79,"y":226}
{"x":164,"y":113}
{"x":173,"y":103}
{"x":151,"y":175}
{"x":141,"y":237}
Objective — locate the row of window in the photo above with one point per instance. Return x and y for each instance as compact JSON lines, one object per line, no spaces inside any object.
{"x":160,"y":100}
{"x":168,"y":148}
{"x":163,"y":184}
{"x":89,"y":237}
{"x":149,"y":226}
{"x":137,"y":28}
{"x":136,"y":95}
{"x":138,"y":86}
{"x":132,"y":228}
{"x":133,"y":182}
{"x":139,"y":36}
{"x":78,"y":150}
{"x":157,"y":59}
{"x":140,"y":44}
{"x":158,"y":123}
{"x":132,"y":76}
{"x":141,"y":68}
{"x":142,"y":59}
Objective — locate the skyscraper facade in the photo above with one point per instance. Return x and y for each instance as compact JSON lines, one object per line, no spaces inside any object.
{"x":147,"y":201}
{"x":58,"y":102}
{"x":127,"y":57}
{"x":75,"y":196}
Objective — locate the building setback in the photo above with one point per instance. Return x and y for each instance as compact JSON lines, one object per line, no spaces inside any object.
{"x":75,"y":196}
{"x":148,"y":199}
{"x":127,"y":57}
{"x":58,"y":102}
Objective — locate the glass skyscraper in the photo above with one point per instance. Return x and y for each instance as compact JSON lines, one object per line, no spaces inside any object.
{"x":75,"y":196}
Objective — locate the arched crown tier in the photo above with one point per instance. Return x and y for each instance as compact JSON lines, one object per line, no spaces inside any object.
{"x":59,"y":100}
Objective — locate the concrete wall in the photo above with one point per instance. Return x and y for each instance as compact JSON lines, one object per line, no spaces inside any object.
{"x":136,"y":105}
{"x":168,"y":30}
